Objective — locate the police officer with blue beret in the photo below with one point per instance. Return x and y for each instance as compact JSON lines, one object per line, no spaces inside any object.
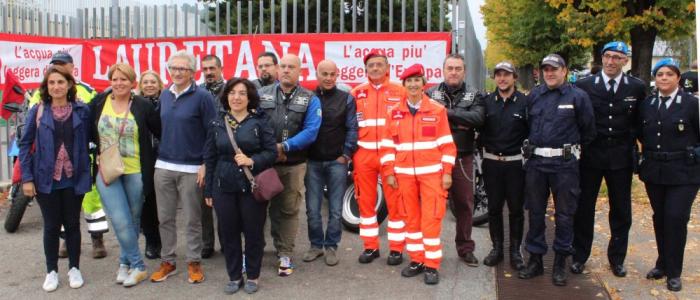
{"x":611,"y":155}
{"x":669,"y":132}
{"x":561,"y":119}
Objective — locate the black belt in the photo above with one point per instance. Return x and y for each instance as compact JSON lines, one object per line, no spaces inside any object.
{"x":664,"y":156}
{"x":612,"y":141}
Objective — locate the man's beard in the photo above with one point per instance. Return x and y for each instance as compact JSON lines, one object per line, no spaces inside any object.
{"x":510,"y":88}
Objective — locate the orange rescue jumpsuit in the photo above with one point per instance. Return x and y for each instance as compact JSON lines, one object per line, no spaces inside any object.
{"x":373,"y":104}
{"x":418,"y":149}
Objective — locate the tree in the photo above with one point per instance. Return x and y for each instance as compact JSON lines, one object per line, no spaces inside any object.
{"x":363,"y":7}
{"x":526,"y":31}
{"x":638,"y":21}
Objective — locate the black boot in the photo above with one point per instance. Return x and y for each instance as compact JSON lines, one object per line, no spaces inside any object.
{"x":516,"y":237}
{"x":516,"y":258}
{"x":496,"y":254}
{"x":534,"y":267}
{"x":496,"y":232}
{"x":559,"y":270}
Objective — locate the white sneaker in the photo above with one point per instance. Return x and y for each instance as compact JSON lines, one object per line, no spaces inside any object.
{"x":135,"y":276}
{"x":75,"y":279}
{"x":51,"y":282}
{"x":122,"y":273}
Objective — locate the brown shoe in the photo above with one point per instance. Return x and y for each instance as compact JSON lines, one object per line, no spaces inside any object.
{"x":166,"y":270}
{"x":98,"y":248}
{"x":62,"y":250}
{"x":195,"y":274}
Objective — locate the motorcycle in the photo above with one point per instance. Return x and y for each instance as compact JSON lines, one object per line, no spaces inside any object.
{"x":351,"y":212}
{"x":18,"y":201}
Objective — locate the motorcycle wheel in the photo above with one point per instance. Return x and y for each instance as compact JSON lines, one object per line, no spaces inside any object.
{"x":17,"y":208}
{"x":351,"y":211}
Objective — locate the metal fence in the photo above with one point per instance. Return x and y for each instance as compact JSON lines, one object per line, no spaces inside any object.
{"x":122,"y":19}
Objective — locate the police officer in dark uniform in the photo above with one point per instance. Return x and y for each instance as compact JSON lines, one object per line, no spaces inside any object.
{"x":465,"y":112}
{"x":611,"y":155}
{"x":669,"y":131}
{"x":501,"y":137}
{"x":561,"y":119}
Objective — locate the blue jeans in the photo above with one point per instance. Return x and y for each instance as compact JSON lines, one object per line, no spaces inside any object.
{"x":122,"y":200}
{"x":334,"y":175}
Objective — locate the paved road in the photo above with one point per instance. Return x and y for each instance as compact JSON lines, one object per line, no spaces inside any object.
{"x":22,"y":272}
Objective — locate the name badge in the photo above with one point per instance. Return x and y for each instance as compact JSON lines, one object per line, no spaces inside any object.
{"x":431,"y":119}
{"x":362,"y":94}
{"x":436,"y":95}
{"x":301,"y":100}
{"x":393,"y":99}
{"x":266,"y":97}
{"x":630,"y":99}
{"x":566,"y":106}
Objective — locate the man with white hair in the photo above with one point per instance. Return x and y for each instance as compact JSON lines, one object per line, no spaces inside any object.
{"x":185,"y":111}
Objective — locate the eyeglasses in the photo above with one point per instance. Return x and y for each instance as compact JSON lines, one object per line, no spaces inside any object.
{"x":613,"y":57}
{"x":178,"y":69}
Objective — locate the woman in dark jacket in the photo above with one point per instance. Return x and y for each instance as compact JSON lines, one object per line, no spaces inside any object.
{"x":150,"y":87}
{"x":123,"y":198}
{"x":669,"y":131}
{"x":227,"y":187}
{"x":56,"y":167}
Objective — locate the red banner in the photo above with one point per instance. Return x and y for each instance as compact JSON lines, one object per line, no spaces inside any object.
{"x":28,"y":56}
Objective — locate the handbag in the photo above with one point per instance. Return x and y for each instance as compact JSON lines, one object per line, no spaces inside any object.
{"x":265,"y":185}
{"x":110,"y":162}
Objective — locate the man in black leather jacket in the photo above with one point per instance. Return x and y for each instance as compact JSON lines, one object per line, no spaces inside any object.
{"x":465,"y":111}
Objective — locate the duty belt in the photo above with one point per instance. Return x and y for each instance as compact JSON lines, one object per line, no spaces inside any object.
{"x":549,"y":152}
{"x":567,"y":151}
{"x":492,"y":156}
{"x":664,"y":156}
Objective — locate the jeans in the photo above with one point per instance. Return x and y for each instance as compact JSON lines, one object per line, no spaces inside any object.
{"x":334,"y":175}
{"x":123,"y":202}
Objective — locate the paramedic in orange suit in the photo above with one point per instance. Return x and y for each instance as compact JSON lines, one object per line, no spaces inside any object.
{"x":418,"y":154}
{"x":373,"y":100}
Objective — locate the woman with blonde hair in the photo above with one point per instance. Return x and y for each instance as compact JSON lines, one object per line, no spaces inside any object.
{"x":128,"y":121}
{"x":150,"y":86}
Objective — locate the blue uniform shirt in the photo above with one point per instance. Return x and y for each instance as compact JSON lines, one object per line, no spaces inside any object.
{"x":560,"y":116}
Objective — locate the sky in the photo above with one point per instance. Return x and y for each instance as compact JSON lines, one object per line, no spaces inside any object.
{"x":479,"y":28}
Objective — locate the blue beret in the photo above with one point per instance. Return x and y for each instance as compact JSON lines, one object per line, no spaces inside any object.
{"x":616,"y":46}
{"x":666,"y":62}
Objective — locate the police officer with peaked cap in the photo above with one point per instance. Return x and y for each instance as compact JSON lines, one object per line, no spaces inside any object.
{"x":669,"y":132}
{"x":501,"y":137}
{"x":561,"y":119}
{"x":611,"y":155}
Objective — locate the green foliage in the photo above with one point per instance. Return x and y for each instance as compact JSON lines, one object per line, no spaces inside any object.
{"x":530,"y":30}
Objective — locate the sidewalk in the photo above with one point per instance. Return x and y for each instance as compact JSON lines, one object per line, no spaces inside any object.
{"x":23,"y":271}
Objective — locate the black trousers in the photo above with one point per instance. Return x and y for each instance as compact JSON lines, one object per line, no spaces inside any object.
{"x":149,"y":220}
{"x":671,"y":205}
{"x":240,"y":213}
{"x":619,"y":184}
{"x":505,"y":183}
{"x":61,"y":207}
